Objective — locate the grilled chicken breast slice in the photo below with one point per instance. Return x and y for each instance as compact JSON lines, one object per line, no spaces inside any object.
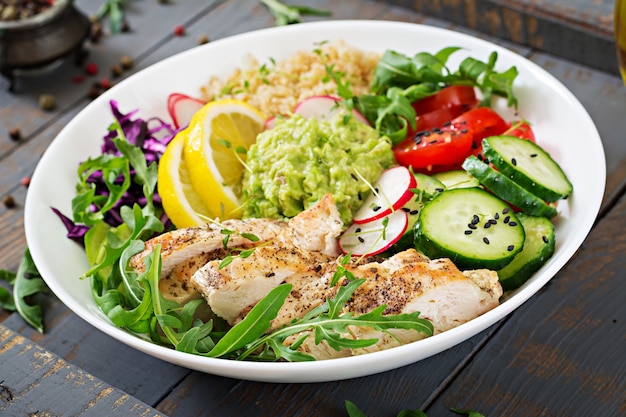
{"x":408,"y":282}
{"x":184,"y":251}
{"x":308,"y":241}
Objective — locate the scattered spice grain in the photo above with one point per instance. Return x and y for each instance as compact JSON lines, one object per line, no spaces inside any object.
{"x":9,"y":201}
{"x":15,"y":133}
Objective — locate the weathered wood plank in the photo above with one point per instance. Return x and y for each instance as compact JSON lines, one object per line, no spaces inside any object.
{"x":34,"y":381}
{"x":578,"y":30}
{"x":84,"y":346}
{"x":545,"y":360}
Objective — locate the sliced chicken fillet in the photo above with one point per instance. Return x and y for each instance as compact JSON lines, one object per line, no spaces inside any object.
{"x":308,"y":241}
{"x":184,"y":251}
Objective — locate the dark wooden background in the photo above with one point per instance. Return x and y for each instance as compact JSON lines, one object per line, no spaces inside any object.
{"x":563,"y":353}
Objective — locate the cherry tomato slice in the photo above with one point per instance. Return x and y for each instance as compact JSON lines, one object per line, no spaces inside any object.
{"x":439,"y":146}
{"x":522,"y":130}
{"x":484,"y":122}
{"x":435,"y":118}
{"x":454,"y":95}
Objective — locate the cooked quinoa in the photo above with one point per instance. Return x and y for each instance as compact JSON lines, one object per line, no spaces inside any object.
{"x":276,"y":87}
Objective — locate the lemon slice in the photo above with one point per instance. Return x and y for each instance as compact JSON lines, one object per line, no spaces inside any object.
{"x":180,"y":201}
{"x":217,"y":135}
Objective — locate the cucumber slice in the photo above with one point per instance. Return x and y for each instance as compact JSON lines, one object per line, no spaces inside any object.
{"x":472,"y":227}
{"x":507,"y":189}
{"x":538,"y":248}
{"x":429,"y":185}
{"x":529,"y":165}
{"x":456,"y":179}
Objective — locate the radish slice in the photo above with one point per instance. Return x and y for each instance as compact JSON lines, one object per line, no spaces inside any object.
{"x":182,"y":108}
{"x":324,"y":108}
{"x":394,"y":189}
{"x":374,"y":237}
{"x":269,"y":123}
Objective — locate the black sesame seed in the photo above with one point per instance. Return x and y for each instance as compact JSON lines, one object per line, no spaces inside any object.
{"x":512,"y":224}
{"x":472,"y":226}
{"x":486,"y":240}
{"x":361,"y":239}
{"x":414,"y":212}
{"x":514,"y":161}
{"x":468,"y":232}
{"x":479,"y":156}
{"x":506,"y":219}
{"x":492,"y":221}
{"x":354,"y":177}
{"x":463,"y":130}
{"x":417,"y":140}
{"x":358,"y":230}
{"x":433,"y":141}
{"x":487,"y":225}
{"x":447,"y":124}
{"x":533,"y":155}
{"x":505,"y":210}
{"x":475,"y":219}
{"x":406,"y":209}
{"x":545,"y":239}
{"x":474,"y":145}
{"x":439,"y":190}
{"x":486,"y":160}
{"x":510,"y":248}
{"x":376,"y":208}
{"x":426,"y":133}
{"x":496,"y":216}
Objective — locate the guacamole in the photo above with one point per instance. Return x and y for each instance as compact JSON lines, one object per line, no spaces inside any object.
{"x":291,"y":166}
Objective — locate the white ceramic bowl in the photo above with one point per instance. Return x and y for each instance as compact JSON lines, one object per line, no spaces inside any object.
{"x":544,"y":101}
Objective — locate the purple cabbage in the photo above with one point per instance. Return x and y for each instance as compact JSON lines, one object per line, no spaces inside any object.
{"x":152,"y":136}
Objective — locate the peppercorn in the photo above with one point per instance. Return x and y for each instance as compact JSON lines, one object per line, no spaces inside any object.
{"x":202,"y":39}
{"x":179,"y":30}
{"x":47,"y":102}
{"x":116,"y":70}
{"x":127,"y":62}
{"x":94,"y":91}
{"x":9,"y":201}
{"x":15,"y":133}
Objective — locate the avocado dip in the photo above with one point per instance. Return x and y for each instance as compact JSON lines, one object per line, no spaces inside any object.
{"x":293,"y":165}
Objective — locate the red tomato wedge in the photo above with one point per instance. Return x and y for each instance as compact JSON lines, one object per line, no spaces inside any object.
{"x":454,"y":95}
{"x":483,"y":122}
{"x":439,"y":146}
{"x":442,"y":107}
{"x":522,"y":130}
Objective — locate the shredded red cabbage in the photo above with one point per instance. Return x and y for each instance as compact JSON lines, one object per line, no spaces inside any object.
{"x":151,"y":136}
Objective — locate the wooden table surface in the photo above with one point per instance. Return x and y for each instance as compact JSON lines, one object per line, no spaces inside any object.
{"x":562,"y":353}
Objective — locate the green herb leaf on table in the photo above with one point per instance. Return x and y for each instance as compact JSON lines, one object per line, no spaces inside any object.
{"x":287,"y":14}
{"x":26,"y":282}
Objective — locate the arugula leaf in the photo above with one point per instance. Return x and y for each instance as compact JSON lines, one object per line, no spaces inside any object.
{"x":325,"y":322}
{"x":26,"y":282}
{"x":255,"y":324}
{"x":287,"y":15}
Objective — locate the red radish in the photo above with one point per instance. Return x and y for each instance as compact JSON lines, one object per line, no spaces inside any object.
{"x":392,"y":190}
{"x":323,"y":108}
{"x":374,"y":237}
{"x":182,"y":108}
{"x":269,"y":123}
